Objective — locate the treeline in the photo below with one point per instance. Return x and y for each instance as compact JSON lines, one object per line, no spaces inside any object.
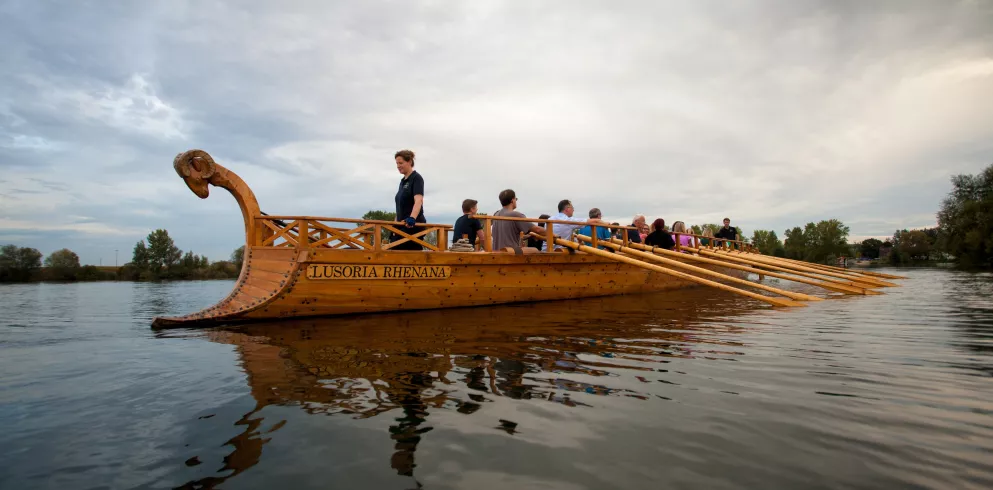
{"x":821,"y":242}
{"x":964,"y":232}
{"x":159,"y":259}
{"x":24,"y":264}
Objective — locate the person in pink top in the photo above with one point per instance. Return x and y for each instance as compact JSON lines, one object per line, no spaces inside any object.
{"x":683,"y":240}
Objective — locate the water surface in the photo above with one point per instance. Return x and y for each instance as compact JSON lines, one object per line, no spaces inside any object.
{"x":692,"y":389}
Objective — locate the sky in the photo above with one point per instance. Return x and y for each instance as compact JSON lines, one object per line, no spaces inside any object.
{"x":772,"y":113}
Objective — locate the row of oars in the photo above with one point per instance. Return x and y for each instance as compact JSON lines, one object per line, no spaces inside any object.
{"x":667,"y":262}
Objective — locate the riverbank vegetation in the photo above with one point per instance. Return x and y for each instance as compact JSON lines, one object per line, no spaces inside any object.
{"x":159,"y":259}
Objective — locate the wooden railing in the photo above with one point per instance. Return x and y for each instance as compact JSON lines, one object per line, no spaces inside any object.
{"x":714,"y":243}
{"x":320,"y":232}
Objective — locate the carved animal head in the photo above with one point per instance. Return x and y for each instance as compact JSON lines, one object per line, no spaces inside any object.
{"x":196,"y":167}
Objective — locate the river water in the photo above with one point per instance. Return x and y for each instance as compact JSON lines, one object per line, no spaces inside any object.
{"x":691,"y":389}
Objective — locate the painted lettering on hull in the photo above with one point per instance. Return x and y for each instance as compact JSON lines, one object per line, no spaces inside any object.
{"x":356,"y":271}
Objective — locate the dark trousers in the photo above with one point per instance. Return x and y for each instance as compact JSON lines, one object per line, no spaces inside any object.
{"x":408,"y":245}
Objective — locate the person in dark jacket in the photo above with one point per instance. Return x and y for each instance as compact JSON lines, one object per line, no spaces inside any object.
{"x":534,"y":242}
{"x":659,"y":237}
{"x":633,"y":235}
{"x":727,"y":232}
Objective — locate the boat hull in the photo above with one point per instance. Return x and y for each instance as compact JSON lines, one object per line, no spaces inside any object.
{"x":279,"y":282}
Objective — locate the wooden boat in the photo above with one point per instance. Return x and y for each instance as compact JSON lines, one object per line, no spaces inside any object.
{"x":301,"y":266}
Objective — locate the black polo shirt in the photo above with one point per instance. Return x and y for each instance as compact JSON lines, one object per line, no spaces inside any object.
{"x":409,"y":187}
{"x":466,"y":226}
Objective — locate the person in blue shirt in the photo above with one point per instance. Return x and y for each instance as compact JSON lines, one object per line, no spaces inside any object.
{"x":602,"y":230}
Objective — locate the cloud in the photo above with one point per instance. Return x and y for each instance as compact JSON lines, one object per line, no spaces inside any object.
{"x":775,"y":114}
{"x":90,"y":228}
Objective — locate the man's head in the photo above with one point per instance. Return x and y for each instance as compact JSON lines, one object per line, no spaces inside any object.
{"x":565,"y":207}
{"x":639,"y":220}
{"x":727,"y":222}
{"x":508,"y":197}
{"x":595,"y":213}
{"x":469,"y":206}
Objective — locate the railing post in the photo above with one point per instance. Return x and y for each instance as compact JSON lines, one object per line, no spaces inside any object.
{"x":303,"y":234}
{"x":624,"y":238}
{"x":678,"y":246}
{"x":696,"y":242}
{"x":593,"y":239}
{"x":443,"y":238}
{"x":377,"y":238}
{"x":550,"y":237}
{"x":488,"y":234}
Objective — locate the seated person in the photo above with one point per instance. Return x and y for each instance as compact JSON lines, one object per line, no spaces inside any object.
{"x":470,"y":227}
{"x":602,"y":231}
{"x":508,"y":233}
{"x":659,"y":237}
{"x":684,"y":240}
{"x":537,"y":242}
{"x":708,"y":237}
{"x":633,"y":235}
{"x":563,"y":230}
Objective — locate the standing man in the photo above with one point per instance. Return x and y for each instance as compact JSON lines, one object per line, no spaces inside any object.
{"x":563,"y":230}
{"x":508,"y":233}
{"x":727,"y":232}
{"x":471,"y":227}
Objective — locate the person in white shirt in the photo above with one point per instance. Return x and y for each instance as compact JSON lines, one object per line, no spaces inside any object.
{"x":563,"y":230}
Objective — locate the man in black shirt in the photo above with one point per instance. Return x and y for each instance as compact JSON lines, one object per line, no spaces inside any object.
{"x":468,"y":227}
{"x":409,"y":200}
{"x":728,"y":232}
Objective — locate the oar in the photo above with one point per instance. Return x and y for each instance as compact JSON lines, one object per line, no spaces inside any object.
{"x":819,"y":282}
{"x":700,"y":270}
{"x":872,"y":281}
{"x":859,"y":273}
{"x":652,"y":267}
{"x":787,"y":269}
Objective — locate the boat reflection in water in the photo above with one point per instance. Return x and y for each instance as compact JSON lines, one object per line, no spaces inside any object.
{"x":413,"y":363}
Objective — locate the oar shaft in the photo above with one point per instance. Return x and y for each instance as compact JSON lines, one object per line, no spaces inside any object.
{"x":670,"y":272}
{"x":808,"y":268}
{"x":866,"y":288}
{"x":859,"y":273}
{"x":706,"y":272}
{"x":821,"y":283}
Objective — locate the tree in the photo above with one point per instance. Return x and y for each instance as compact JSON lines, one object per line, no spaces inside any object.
{"x":139,"y":258}
{"x":817,"y":242}
{"x":63,"y":265}
{"x":869,"y":248}
{"x":915,"y":243}
{"x":238,"y":256}
{"x":768,"y":243}
{"x":795,"y":244}
{"x":162,"y":251}
{"x":381,"y":216}
{"x":18,"y":264}
{"x":965,"y":221}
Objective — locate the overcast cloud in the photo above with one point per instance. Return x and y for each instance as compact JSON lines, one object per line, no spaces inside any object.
{"x":774,"y":113}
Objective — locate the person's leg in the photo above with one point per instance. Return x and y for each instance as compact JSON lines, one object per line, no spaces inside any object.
{"x":408,"y":245}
